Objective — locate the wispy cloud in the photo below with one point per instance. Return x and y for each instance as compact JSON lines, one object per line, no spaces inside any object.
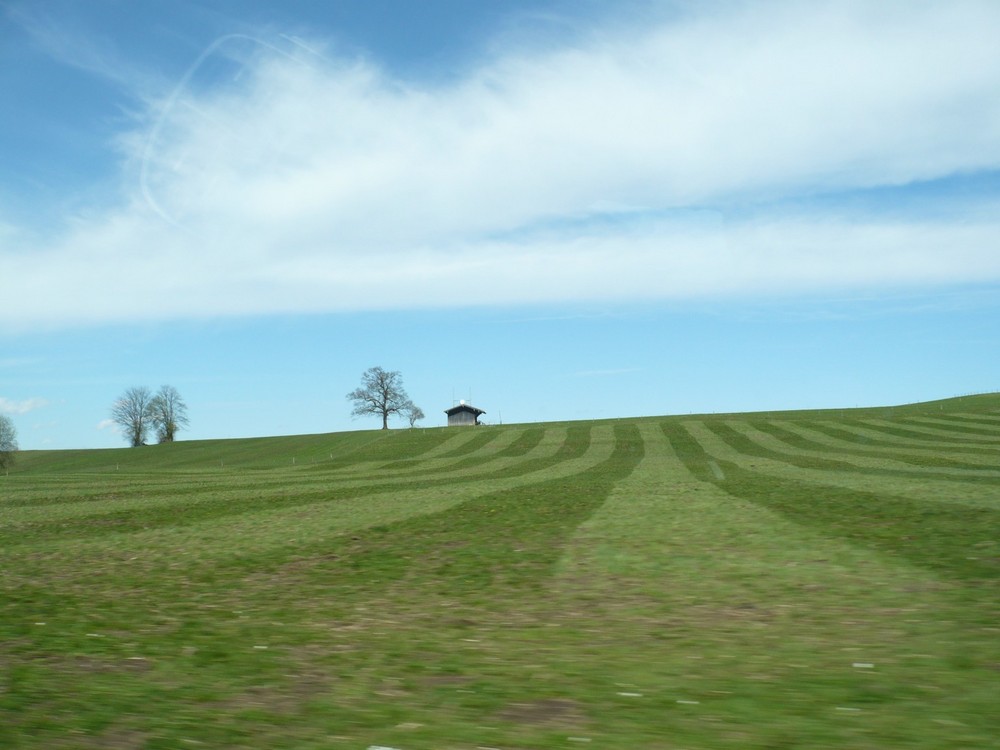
{"x":644,"y":163}
{"x":10,"y":406}
{"x":108,"y":424}
{"x":80,"y":48}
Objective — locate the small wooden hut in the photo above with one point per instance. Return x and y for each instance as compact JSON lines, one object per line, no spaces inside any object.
{"x":463,"y":415}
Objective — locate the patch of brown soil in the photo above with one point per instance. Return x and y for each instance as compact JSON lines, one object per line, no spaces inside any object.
{"x":121,"y":739}
{"x":544,"y":711}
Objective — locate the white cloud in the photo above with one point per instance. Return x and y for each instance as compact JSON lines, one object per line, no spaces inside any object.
{"x":610,"y":169}
{"x":108,"y":424}
{"x":10,"y":406}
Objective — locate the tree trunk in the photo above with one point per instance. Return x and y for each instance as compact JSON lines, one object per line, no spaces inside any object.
{"x":385,"y":420}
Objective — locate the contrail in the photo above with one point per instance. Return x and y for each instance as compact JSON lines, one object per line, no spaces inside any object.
{"x":171,"y":102}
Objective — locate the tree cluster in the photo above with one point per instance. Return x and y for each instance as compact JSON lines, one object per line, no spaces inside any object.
{"x":382,"y":394}
{"x":8,"y":442}
{"x":139,"y":410}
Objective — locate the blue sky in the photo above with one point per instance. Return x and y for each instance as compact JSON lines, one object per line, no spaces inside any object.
{"x":561,"y":210}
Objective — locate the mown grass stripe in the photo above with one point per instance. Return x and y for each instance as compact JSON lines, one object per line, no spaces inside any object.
{"x":481,"y":438}
{"x":28,"y":490}
{"x":880,"y":432}
{"x":914,"y":430}
{"x":803,"y":458}
{"x":975,"y":491}
{"x":211,"y":533}
{"x":800,"y":437}
{"x":180,"y":510}
{"x":950,"y":425}
{"x":618,"y":535}
{"x":688,"y":450}
{"x":986,"y":420}
{"x":526,"y":442}
{"x":554,"y":445}
{"x":926,"y":534}
{"x":951,"y":488}
{"x":548,"y":446}
{"x":391,"y":444}
{"x":812,"y":459}
{"x":247,"y":453}
{"x":480,"y":447}
{"x":470,"y":547}
{"x":442,"y":449}
{"x":862,"y":439}
{"x":298,"y":532}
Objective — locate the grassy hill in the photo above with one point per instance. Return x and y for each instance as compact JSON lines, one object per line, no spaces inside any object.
{"x":801,"y":579}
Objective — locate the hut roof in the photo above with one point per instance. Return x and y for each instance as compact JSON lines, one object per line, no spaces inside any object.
{"x":464,"y":407}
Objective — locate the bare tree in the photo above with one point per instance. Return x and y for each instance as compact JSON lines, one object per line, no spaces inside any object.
{"x":413,"y":413}
{"x":133,"y":413}
{"x":8,"y":442}
{"x":168,"y":413}
{"x":381,"y":393}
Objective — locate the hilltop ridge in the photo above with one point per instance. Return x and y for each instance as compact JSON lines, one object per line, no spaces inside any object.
{"x":337,"y":449}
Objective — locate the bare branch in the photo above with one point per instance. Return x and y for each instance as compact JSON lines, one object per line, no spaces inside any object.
{"x":132,"y":412}
{"x":381,"y":394}
{"x":168,"y":413}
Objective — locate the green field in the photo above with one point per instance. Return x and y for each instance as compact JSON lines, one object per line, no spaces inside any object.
{"x":789,"y":580}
